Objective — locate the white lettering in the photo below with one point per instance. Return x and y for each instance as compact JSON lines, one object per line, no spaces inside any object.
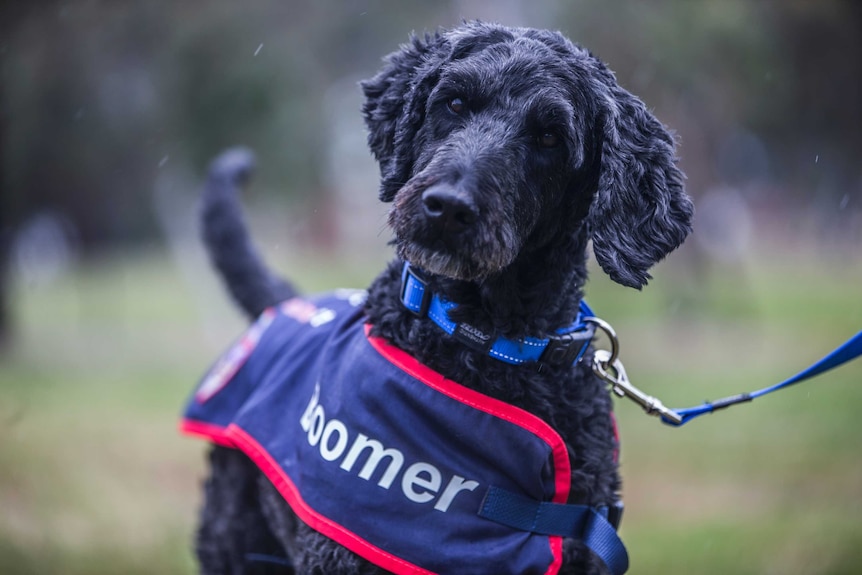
{"x":333,"y":426}
{"x":413,"y":478}
{"x":305,"y":420}
{"x":421,"y":481}
{"x":315,"y":429}
{"x":377,"y":454}
{"x":456,"y":485}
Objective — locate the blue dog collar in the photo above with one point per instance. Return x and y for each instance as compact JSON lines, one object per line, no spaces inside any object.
{"x":566,"y":347}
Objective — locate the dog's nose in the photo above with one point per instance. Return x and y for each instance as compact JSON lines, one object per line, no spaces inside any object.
{"x":449,"y":209}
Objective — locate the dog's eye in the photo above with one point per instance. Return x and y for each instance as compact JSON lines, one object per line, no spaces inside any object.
{"x":456,"y":105}
{"x":548,"y":140}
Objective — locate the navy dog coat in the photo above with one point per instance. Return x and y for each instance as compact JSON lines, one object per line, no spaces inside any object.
{"x":375,"y":450}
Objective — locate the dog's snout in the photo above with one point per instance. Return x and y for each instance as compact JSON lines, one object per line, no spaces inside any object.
{"x":449,"y":209}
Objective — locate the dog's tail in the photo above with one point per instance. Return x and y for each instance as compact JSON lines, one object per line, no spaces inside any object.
{"x":253,"y":286}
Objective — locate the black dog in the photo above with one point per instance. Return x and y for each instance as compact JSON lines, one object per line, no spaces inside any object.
{"x":504,"y":151}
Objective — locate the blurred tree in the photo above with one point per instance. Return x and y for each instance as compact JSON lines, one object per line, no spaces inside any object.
{"x":817,"y":124}
{"x":10,"y":15}
{"x":785,"y":74}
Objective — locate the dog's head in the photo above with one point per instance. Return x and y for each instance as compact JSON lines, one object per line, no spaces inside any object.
{"x":496,"y":141}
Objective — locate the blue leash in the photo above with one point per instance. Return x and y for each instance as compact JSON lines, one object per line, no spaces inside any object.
{"x":606,"y":365}
{"x":569,"y":345}
{"x":847,"y":351}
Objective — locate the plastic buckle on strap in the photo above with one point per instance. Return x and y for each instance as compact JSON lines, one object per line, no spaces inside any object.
{"x":567,"y":348}
{"x":615,"y":514}
{"x":409,"y":280}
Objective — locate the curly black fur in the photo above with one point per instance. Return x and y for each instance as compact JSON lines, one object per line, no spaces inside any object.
{"x":503,"y":152}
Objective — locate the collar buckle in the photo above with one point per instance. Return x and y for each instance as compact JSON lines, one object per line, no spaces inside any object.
{"x":567,"y":348}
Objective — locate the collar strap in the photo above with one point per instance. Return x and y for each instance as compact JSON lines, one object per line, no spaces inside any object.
{"x":565,"y":347}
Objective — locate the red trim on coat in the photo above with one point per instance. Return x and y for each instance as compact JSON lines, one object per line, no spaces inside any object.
{"x":318,"y":522}
{"x":497,"y":408}
{"x":215,"y":433}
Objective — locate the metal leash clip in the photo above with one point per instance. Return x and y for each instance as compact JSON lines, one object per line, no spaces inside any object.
{"x":607,"y":365}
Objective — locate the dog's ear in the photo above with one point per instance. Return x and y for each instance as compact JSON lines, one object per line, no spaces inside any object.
{"x":394,"y":107}
{"x":641,"y":211}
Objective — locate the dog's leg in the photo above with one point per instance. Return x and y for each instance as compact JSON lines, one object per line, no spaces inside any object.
{"x":309,"y":551}
{"x":233,"y":538}
{"x":231,"y":251}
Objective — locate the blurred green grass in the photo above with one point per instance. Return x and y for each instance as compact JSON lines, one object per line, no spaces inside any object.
{"x":95,"y":479}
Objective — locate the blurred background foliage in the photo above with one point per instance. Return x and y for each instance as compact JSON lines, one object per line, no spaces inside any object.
{"x":109,"y":112}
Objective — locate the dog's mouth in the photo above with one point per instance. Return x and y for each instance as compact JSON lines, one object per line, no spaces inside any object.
{"x":444,"y":262}
{"x":468,"y":256}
